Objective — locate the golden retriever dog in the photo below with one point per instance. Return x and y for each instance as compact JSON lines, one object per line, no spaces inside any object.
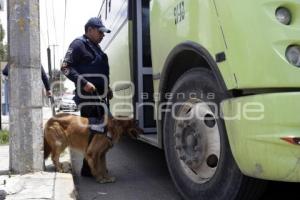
{"x":67,"y":130}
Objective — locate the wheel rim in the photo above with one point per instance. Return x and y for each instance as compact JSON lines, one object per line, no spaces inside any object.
{"x":197,"y":140}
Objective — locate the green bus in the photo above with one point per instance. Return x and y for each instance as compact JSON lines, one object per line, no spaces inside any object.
{"x":215,"y":84}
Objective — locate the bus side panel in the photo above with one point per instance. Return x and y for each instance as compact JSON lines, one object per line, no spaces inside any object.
{"x":257,"y":125}
{"x":120,"y":73}
{"x":200,"y":24}
{"x":257,"y":42}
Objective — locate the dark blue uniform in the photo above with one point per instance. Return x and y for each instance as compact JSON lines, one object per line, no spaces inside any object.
{"x":86,"y":62}
{"x":44,"y":76}
{"x":82,"y":62}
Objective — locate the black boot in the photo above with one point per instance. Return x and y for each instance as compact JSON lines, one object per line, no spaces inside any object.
{"x":85,"y":169}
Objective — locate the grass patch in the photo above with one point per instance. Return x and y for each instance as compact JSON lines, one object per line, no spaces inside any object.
{"x":4,"y":137}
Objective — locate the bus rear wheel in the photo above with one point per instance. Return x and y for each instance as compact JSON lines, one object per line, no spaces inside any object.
{"x":196,"y":145}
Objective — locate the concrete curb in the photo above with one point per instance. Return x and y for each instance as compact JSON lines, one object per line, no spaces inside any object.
{"x":39,"y":185}
{"x":65,"y":181}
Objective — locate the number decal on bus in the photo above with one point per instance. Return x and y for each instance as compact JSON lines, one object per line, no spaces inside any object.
{"x":179,"y":12}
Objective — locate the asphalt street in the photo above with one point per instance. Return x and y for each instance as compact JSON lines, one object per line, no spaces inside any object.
{"x":142,"y":173}
{"x":140,"y":170}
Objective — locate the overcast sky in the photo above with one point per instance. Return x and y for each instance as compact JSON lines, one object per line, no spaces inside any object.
{"x":77,"y":14}
{"x":52,"y":20}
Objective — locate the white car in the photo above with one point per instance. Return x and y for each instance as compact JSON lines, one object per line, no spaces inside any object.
{"x":67,"y":103}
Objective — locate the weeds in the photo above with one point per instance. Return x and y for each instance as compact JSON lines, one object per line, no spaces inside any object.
{"x":4,"y":137}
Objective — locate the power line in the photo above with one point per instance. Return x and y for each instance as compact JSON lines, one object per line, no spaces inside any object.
{"x":54,"y":22}
{"x":64,"y":25}
{"x":55,"y":36}
{"x":47,"y":21}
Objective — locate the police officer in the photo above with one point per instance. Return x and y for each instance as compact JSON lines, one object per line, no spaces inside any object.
{"x":45,"y":79}
{"x":87,"y":66}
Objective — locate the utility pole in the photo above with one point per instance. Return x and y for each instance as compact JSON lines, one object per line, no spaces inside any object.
{"x":51,"y":80}
{"x":49,"y":63}
{"x":54,"y":47}
{"x":60,"y":82}
{"x":26,"y":138}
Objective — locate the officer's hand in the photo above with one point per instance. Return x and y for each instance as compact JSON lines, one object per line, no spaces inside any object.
{"x":89,"y":87}
{"x":49,"y":93}
{"x":110,"y":93}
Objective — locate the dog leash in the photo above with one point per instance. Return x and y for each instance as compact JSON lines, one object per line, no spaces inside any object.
{"x":100,"y":101}
{"x":52,"y":103}
{"x":106,"y":101}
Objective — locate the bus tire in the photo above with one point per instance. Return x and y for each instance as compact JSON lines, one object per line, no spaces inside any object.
{"x":197,"y":150}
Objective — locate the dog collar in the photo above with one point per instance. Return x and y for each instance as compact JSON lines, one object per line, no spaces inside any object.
{"x":109,"y":136}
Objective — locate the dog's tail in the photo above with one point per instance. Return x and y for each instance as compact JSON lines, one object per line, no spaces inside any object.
{"x":47,"y":148}
{"x":52,"y":129}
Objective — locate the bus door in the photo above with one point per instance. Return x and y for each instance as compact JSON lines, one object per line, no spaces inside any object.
{"x":143,"y":78}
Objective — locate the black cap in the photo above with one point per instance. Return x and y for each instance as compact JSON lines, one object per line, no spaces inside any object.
{"x":96,"y":22}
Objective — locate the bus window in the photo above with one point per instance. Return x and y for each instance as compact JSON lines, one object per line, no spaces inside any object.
{"x":117,"y":10}
{"x":116,"y":16}
{"x":102,"y":12}
{"x":105,"y":9}
{"x":109,"y":6}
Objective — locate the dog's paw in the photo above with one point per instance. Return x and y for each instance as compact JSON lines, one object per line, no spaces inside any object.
{"x":107,"y":180}
{"x":66,"y":167}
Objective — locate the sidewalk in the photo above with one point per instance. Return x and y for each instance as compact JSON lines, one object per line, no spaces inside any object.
{"x":47,"y":113}
{"x":40,"y":185}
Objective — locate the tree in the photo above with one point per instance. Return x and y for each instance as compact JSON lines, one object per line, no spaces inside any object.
{"x":3,"y":48}
{"x":57,"y":83}
{"x":3,"y":57}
